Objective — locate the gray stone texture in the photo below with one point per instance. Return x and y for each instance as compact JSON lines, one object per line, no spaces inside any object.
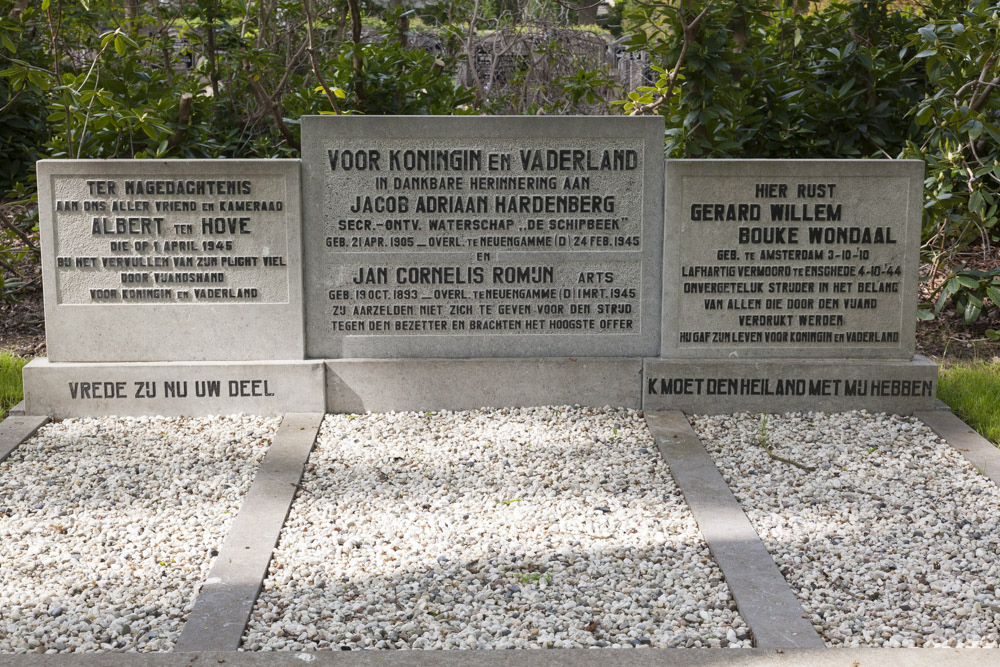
{"x":441,"y":259}
{"x":15,"y":429}
{"x":136,"y":268}
{"x":172,"y":389}
{"x":762,"y":595}
{"x":225,"y":602}
{"x":720,"y":386}
{"x":380,"y":385}
{"x":791,"y":258}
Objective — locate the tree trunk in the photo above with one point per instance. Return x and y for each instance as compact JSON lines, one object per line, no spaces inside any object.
{"x":586,"y":12}
{"x":132,"y":15}
{"x":213,"y":72}
{"x":359,"y":85}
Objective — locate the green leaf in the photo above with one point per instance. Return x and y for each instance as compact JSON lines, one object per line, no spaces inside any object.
{"x":339,"y":92}
{"x":972,"y":312}
{"x":924,"y":115}
{"x":940,"y":303}
{"x":994,"y":294}
{"x":119,"y":45}
{"x":925,"y":314}
{"x":928,"y":33}
{"x":45,"y":4}
{"x":993,"y":334}
{"x":926,"y":53}
{"x":976,"y":201}
{"x":967,"y":281}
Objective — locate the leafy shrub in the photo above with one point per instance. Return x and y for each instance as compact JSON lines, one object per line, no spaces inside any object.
{"x":848,"y":80}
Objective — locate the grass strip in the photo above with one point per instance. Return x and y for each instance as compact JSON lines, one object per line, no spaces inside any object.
{"x":972,"y":391}
{"x":11,"y":391}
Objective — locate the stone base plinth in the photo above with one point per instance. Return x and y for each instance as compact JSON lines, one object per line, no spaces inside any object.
{"x":715,"y":386}
{"x":172,"y":388}
{"x":379,"y":385}
{"x":720,"y":386}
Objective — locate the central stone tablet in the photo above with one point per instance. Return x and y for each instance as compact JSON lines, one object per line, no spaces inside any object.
{"x":482,"y":237}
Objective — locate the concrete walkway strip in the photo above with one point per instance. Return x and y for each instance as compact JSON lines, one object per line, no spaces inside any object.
{"x":16,"y":429}
{"x":762,"y":595}
{"x":668,"y":657}
{"x":225,"y":603}
{"x":982,"y":453}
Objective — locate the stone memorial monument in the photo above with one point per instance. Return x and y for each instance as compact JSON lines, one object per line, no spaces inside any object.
{"x":501,"y":258}
{"x":791,"y":285}
{"x":171,"y":287}
{"x":461,"y":262}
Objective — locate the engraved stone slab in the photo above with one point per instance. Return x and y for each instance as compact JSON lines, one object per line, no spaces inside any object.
{"x":191,"y":260}
{"x":482,"y":237}
{"x":720,"y":386}
{"x":172,"y":389}
{"x":791,"y":258}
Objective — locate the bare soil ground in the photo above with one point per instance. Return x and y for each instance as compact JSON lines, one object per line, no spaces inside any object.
{"x":948,"y":339}
{"x":22,"y":317}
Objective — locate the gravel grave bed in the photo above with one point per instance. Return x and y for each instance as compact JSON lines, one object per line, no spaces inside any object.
{"x":108,"y":527}
{"x":891,"y":539}
{"x":517,"y":528}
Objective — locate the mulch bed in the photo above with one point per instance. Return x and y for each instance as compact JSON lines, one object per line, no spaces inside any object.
{"x":947,"y":338}
{"x":22,"y":316}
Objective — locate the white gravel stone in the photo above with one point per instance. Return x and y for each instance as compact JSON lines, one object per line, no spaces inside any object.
{"x":892,"y":540}
{"x":107,"y":527}
{"x":520,"y":528}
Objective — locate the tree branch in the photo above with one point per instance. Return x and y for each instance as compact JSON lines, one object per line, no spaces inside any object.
{"x":272,"y":107}
{"x":688,"y":37}
{"x":307,"y":7}
{"x":9,"y":224}
{"x":183,"y":119}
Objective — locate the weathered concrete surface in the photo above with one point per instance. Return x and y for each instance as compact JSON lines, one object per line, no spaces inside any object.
{"x":522,"y":219}
{"x":380,"y":385}
{"x":171,"y":260}
{"x":762,"y":595}
{"x":791,"y":258}
{"x":721,"y":386}
{"x":982,"y":453}
{"x":173,"y":389}
{"x":226,"y":599}
{"x":15,"y":429}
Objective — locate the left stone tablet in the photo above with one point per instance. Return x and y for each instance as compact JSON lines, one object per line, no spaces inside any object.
{"x":180,"y":260}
